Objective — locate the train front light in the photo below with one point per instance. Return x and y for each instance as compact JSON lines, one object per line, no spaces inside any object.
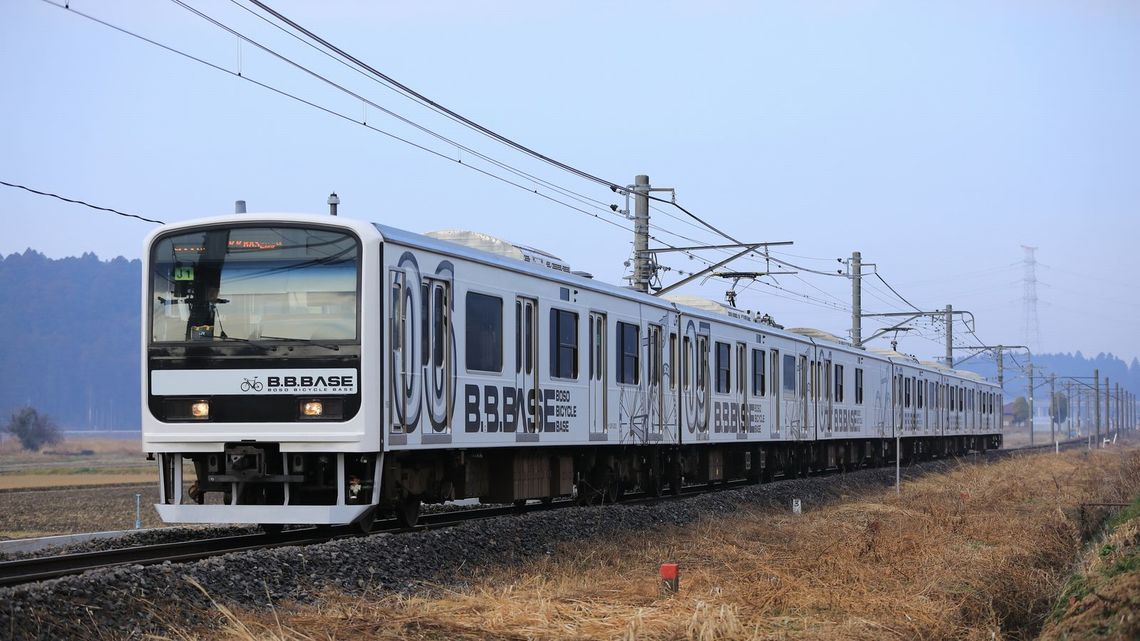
{"x":200,"y":409}
{"x":322,"y":409}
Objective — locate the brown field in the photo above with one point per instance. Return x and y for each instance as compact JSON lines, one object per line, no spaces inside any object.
{"x":980,"y":552}
{"x":79,"y":485}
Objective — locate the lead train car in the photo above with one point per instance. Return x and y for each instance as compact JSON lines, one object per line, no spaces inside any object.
{"x":311,"y":369}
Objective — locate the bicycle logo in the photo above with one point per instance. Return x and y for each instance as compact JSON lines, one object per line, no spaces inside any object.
{"x":252,"y":385}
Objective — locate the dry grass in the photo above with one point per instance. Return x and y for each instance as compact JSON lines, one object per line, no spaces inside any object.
{"x":976,"y":553}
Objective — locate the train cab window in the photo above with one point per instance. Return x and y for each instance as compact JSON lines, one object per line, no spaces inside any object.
{"x":858,"y":385}
{"x":723,"y":368}
{"x":838,"y":383}
{"x":758,"y":384}
{"x":563,"y":344}
{"x":789,"y":366}
{"x":628,"y":354}
{"x":484,"y":332}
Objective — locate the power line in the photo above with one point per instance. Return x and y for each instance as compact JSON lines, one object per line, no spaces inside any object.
{"x":80,"y":202}
{"x":433,"y":104}
{"x":335,"y":113}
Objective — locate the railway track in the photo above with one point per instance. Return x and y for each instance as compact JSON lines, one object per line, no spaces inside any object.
{"x":22,"y":571}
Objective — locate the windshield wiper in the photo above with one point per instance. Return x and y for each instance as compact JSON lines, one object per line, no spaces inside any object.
{"x":306,"y":341}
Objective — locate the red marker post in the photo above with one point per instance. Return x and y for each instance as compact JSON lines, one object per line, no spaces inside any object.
{"x":670,"y":578}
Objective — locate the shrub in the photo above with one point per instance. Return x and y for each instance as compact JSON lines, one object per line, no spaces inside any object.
{"x":34,"y":430}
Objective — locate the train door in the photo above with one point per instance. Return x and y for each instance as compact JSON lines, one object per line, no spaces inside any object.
{"x":828,"y":396}
{"x":598,"y":371}
{"x":526,"y":363}
{"x":401,"y":365}
{"x":774,"y":391}
{"x":704,"y":397}
{"x":655,"y":386}
{"x":805,"y":396}
{"x":439,"y":369}
{"x":742,"y":421}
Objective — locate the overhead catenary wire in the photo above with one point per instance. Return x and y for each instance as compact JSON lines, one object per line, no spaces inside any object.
{"x":331,"y":112}
{"x":80,"y":202}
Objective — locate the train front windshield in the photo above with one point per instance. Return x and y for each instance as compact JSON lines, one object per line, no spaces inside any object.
{"x":255,"y":283}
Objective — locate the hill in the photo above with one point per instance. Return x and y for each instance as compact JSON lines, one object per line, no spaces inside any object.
{"x":71,"y":339}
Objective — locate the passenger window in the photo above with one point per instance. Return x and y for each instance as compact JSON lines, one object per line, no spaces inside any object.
{"x":789,"y":366}
{"x":758,"y":372}
{"x":484,"y":332}
{"x":628,"y":354}
{"x":723,"y":369}
{"x":563,"y":344}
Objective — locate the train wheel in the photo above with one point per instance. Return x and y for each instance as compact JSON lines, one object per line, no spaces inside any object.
{"x":272,"y":529}
{"x":408,"y":511}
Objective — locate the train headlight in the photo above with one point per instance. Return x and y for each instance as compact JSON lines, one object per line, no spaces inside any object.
{"x":200,"y":409}
{"x":322,"y":409}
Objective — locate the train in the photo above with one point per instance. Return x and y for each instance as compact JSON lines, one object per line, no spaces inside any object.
{"x":315,"y":369}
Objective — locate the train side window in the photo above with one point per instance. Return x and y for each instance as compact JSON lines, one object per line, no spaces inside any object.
{"x":775,"y":378}
{"x":563,"y":344}
{"x":518,"y":336}
{"x":628,"y":354}
{"x":827,"y":378}
{"x":838,"y":383}
{"x":687,"y":363}
{"x":439,"y":309}
{"x":702,"y":363}
{"x":918,"y":387}
{"x":723,"y":368}
{"x":674,"y":360}
{"x":789,"y":366}
{"x":858,"y":385}
{"x":654,"y":355}
{"x":758,"y":383}
{"x":484,"y":332}
{"x":741,"y":367}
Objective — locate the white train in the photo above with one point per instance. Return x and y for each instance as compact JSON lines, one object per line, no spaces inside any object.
{"x":316,"y":369}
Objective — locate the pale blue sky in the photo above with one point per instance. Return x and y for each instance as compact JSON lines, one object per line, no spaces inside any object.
{"x":934,"y":137}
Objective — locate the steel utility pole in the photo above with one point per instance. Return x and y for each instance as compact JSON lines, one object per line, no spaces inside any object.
{"x":1096,"y":402}
{"x":641,"y":258}
{"x":1107,"y":408}
{"x":1069,"y":409}
{"x":1030,"y":399}
{"x":857,"y":299}
{"x":1054,"y":407}
{"x":949,"y":336}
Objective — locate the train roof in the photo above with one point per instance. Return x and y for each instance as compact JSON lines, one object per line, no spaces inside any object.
{"x":701,"y":306}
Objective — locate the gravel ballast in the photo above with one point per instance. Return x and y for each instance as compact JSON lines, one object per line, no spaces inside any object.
{"x":133,"y":601}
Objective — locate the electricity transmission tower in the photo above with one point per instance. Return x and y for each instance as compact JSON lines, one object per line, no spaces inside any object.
{"x":1032,"y":329}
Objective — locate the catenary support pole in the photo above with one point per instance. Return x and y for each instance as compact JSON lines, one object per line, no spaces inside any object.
{"x":950,"y":336}
{"x":856,"y":299}
{"x":1053,"y":408}
{"x":641,"y":233}
{"x":1096,"y":403}
{"x":1029,"y":391}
